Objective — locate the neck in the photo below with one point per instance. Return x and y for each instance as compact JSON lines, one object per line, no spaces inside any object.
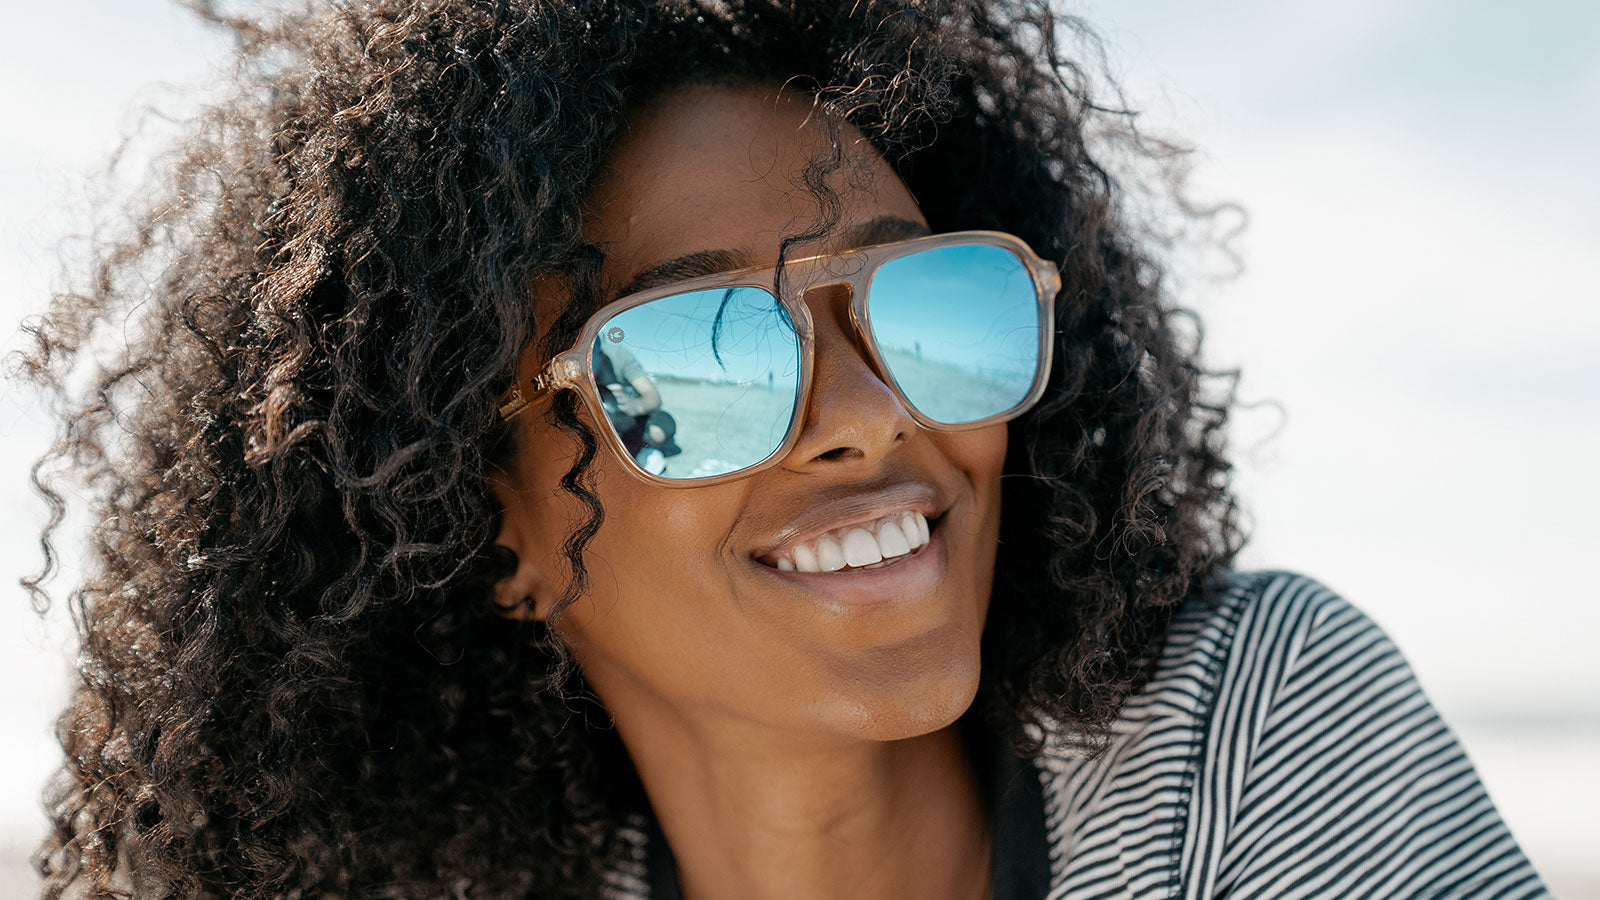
{"x":759,"y":815}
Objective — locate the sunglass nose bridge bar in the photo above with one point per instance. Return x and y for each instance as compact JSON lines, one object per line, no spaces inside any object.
{"x":821,"y":288}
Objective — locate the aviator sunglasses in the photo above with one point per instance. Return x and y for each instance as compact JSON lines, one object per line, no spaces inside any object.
{"x":706,"y":380}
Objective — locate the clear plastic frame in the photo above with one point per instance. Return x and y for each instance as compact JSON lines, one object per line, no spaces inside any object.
{"x":931,"y":303}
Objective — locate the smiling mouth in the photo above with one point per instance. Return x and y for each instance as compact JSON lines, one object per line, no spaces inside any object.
{"x":867,"y":545}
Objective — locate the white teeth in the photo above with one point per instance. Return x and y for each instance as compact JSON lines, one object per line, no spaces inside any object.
{"x":830,"y":556}
{"x":891,"y":540}
{"x":805,"y":559}
{"x":861,"y":548}
{"x":896,"y":535}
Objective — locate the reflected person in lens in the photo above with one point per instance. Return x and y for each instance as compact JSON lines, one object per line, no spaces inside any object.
{"x":935,"y":600}
{"x":633,"y":404}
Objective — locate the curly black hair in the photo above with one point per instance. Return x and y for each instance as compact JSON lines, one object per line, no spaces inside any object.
{"x":294,"y":681}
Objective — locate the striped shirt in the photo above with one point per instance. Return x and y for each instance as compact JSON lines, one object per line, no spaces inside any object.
{"x":1282,"y":749}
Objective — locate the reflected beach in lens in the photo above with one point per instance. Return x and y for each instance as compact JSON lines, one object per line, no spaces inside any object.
{"x":958,"y":328}
{"x":726,"y":363}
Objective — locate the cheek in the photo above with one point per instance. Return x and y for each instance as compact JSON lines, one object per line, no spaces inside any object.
{"x":981,"y":454}
{"x":652,"y":538}
{"x":551,"y":515}
{"x":656,"y":579}
{"x":980,"y":457}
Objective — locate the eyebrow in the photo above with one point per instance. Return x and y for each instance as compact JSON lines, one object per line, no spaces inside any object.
{"x":682,"y":268}
{"x":882,"y":230}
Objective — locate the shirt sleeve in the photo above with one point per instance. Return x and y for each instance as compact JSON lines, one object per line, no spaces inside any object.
{"x":1354,"y":787}
{"x":624,"y":362}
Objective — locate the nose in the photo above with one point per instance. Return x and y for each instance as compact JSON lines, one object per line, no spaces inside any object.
{"x":852,"y":419}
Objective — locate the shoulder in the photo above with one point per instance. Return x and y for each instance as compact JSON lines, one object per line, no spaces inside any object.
{"x":1261,"y":629}
{"x":1332,"y":772}
{"x":1262,"y":616}
{"x":1283,"y":669}
{"x":622,"y":358}
{"x":1244,"y":641}
{"x":1226,"y":652}
{"x":1282,"y":747}
{"x":1282,"y":654}
{"x":1252,"y":631}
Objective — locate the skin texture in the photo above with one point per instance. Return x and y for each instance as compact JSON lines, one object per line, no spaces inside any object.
{"x":278,"y":376}
{"x":789,"y":747}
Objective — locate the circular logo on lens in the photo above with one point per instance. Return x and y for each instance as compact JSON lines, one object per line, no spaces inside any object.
{"x":614,"y":335}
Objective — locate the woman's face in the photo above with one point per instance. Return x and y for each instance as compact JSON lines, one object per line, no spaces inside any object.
{"x":686,"y":615}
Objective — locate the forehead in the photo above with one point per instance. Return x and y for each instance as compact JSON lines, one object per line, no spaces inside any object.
{"x":723,"y":168}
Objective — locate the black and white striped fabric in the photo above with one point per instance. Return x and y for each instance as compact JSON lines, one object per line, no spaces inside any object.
{"x":1283,"y":749}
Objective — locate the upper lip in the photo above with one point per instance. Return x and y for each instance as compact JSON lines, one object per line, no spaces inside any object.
{"x":855,"y":508}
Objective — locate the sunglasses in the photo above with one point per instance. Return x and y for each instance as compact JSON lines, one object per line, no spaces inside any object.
{"x":706,"y":380}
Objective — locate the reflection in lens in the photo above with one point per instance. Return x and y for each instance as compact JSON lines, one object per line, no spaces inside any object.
{"x":726,"y":364}
{"x":958,"y":327}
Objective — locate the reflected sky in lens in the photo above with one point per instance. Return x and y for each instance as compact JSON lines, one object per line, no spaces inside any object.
{"x":726,"y":363}
{"x":722,"y":336}
{"x":959,"y":329}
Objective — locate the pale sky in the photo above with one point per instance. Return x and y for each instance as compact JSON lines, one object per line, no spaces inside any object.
{"x":1420,"y":296}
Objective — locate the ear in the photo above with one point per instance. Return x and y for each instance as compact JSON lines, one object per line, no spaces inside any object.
{"x":521,"y":591}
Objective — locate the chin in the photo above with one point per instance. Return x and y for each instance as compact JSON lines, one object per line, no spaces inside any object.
{"x":882,"y":707}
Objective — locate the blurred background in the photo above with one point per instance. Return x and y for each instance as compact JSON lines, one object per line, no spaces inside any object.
{"x":1417,"y":321}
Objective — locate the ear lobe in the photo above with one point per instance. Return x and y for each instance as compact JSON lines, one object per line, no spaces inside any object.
{"x":516,"y":595}
{"x":520,"y":590}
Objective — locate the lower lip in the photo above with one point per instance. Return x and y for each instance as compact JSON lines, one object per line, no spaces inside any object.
{"x":912,"y":577}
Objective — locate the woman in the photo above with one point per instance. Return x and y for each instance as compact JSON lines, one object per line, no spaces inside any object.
{"x":934,"y":602}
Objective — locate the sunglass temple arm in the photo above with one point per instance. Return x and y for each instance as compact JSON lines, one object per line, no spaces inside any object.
{"x":561,"y":372}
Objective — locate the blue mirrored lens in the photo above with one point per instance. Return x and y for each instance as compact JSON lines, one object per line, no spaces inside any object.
{"x":725,"y":364}
{"x":959,"y":328}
